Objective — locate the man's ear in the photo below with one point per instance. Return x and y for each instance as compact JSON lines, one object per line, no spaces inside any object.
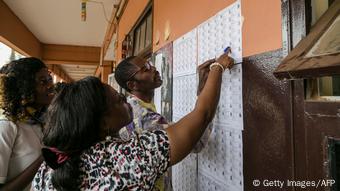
{"x":131,"y":85}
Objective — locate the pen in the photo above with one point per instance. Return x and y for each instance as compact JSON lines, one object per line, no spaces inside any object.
{"x":228,"y":49}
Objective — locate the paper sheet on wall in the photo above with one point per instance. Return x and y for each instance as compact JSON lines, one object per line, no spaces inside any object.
{"x":219,"y":32}
{"x":184,"y":174}
{"x":185,"y":54}
{"x":184,"y":74}
{"x":222,"y":159}
{"x":219,"y":165}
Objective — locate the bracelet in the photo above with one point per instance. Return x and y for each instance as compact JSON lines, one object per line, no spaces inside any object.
{"x":216,"y":64}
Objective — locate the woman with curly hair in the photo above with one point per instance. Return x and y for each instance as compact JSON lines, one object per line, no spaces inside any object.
{"x":26,"y":89}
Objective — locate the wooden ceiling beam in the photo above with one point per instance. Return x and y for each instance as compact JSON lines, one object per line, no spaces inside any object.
{"x":59,"y":72}
{"x":69,"y":62}
{"x":67,"y":54}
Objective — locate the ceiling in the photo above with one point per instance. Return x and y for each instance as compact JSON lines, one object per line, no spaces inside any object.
{"x":59,"y":22}
{"x":78,"y":71}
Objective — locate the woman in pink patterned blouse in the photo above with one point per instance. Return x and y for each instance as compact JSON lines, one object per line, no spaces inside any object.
{"x":82,"y":153}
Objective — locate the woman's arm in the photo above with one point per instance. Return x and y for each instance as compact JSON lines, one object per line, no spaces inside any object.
{"x":184,"y":134}
{"x":21,"y":181}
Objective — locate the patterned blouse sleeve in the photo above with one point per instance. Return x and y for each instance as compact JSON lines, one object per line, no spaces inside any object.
{"x":156,"y":147}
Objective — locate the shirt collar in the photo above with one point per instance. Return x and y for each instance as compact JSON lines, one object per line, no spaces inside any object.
{"x":150,"y":106}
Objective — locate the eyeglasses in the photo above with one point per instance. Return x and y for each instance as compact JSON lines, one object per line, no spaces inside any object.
{"x":146,"y":67}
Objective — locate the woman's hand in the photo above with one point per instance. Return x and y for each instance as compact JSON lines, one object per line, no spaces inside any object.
{"x":203,"y":69}
{"x":225,"y":60}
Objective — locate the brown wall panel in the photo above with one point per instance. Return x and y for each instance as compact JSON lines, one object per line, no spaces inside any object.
{"x":267,"y":136}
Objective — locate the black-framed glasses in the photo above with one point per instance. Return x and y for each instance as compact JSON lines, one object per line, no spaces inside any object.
{"x":146,"y":67}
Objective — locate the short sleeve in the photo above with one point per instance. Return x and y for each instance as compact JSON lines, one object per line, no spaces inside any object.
{"x":157,"y":149}
{"x":8,"y":132}
{"x":153,"y":121}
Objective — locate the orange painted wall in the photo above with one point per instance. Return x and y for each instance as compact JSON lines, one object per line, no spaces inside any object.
{"x":182,"y":16}
{"x":261,"y":27}
{"x":14,"y":32}
{"x":261,"y":31}
{"x":133,"y":10}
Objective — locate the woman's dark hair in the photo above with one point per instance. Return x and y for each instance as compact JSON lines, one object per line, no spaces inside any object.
{"x":59,"y":86}
{"x":123,"y":71}
{"x":17,"y":86}
{"x":73,"y":122}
